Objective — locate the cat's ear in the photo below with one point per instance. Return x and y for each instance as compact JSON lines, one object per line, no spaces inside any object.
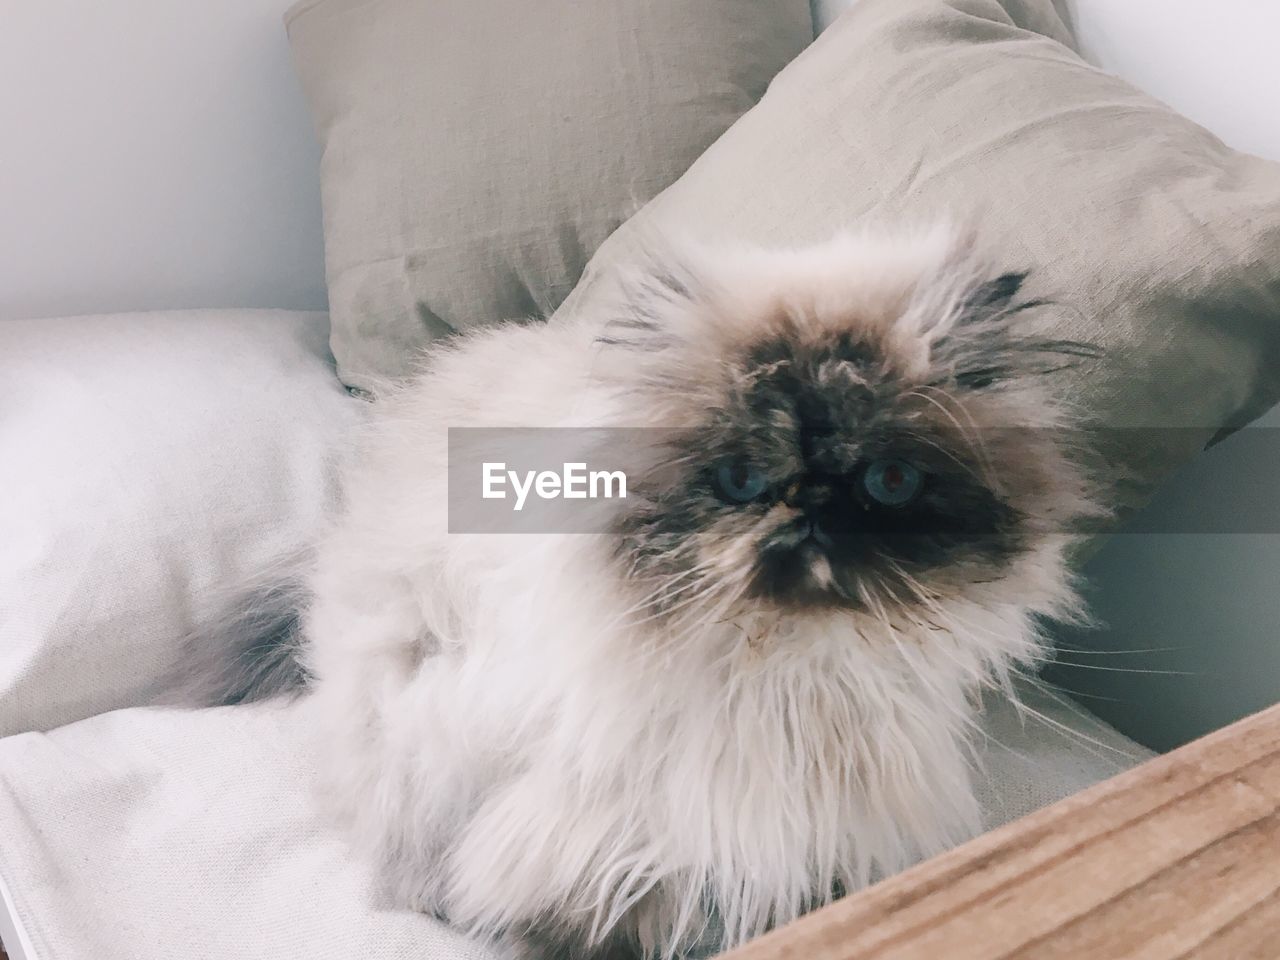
{"x":992,"y":296}
{"x":653,"y":302}
{"x":998,"y":338}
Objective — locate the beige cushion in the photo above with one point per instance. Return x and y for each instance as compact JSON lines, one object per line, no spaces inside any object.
{"x":477,"y":153}
{"x":1159,"y":243}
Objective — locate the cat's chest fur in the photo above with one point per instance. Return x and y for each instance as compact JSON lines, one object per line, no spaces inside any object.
{"x":799,"y":753}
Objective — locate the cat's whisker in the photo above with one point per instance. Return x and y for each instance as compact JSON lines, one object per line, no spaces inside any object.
{"x":1118,"y":652}
{"x":996,"y":673}
{"x":1077,"y":694}
{"x":1066,"y":731}
{"x":950,"y":455}
{"x":932,"y":600}
{"x":1151,"y":671}
{"x":974,"y":441}
{"x":663,"y":591}
{"x":965,"y":719}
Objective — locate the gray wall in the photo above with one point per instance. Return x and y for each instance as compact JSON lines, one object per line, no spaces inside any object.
{"x":1191,"y":635}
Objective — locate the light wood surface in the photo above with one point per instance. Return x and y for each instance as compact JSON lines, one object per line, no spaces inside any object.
{"x":1174,"y":860}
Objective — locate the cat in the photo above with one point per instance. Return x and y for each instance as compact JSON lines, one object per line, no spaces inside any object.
{"x":753,"y":686}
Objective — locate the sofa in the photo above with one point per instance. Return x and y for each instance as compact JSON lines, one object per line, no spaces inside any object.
{"x":171,"y":419}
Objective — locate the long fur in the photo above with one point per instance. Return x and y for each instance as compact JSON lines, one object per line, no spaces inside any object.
{"x":584,"y":750}
{"x":248,"y":647}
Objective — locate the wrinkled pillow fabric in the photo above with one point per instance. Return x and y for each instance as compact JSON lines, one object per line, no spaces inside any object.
{"x":147,"y":463}
{"x":477,"y":154}
{"x":1155,"y":241}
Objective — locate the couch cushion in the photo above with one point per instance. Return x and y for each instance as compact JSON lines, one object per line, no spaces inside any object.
{"x":149,"y":834}
{"x":148,"y":459}
{"x":477,"y":153}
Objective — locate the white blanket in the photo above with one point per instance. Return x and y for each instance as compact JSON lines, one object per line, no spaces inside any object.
{"x":152,"y":834}
{"x":146,"y":460}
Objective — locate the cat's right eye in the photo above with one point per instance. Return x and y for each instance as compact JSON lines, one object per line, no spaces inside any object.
{"x":739,"y":481}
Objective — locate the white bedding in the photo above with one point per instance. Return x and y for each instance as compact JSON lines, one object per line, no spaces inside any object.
{"x":152,"y":835}
{"x":145,"y":459}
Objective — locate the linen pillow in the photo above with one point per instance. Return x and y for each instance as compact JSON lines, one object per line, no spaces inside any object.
{"x":476,"y":154}
{"x":148,"y":460}
{"x":1157,"y":242}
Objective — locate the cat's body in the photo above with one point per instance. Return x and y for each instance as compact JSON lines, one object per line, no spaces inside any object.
{"x":714,"y":715}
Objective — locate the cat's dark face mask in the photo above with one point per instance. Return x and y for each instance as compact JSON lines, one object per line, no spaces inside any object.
{"x":857,"y":484}
{"x":828,"y":471}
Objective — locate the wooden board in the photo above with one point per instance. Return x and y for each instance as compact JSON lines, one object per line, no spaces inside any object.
{"x":1174,"y":860}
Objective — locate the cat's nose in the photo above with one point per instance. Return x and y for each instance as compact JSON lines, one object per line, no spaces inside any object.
{"x":808,"y":528}
{"x":819,"y":535}
{"x":807,"y":496}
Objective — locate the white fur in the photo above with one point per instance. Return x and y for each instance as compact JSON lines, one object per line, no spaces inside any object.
{"x":516,"y":750}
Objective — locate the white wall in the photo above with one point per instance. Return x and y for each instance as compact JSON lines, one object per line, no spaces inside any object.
{"x":153,"y":153}
{"x":1213,"y":60}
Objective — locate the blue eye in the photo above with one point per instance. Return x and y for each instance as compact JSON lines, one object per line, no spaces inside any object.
{"x":893,"y":483}
{"x":740,"y":482}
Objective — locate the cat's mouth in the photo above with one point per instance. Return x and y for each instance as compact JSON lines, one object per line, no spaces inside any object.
{"x":798,"y":568}
{"x":807,"y":563}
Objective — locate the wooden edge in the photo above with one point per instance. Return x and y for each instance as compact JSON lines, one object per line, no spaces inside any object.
{"x":1176,"y":858}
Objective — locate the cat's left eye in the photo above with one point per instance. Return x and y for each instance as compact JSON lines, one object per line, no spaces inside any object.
{"x":893,"y":483}
{"x":739,"y":481}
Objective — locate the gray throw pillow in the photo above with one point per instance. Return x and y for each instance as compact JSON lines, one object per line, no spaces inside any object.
{"x":477,"y":152}
{"x":1158,"y":243}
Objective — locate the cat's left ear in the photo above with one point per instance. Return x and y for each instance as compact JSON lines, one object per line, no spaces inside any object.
{"x":992,"y":297}
{"x":997,"y":338}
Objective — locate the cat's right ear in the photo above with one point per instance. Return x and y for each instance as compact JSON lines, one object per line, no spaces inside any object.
{"x":651,"y":310}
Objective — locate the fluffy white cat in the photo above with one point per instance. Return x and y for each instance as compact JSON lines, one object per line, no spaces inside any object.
{"x":753,"y":686}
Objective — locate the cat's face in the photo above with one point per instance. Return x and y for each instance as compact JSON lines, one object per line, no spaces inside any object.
{"x":862,"y":425}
